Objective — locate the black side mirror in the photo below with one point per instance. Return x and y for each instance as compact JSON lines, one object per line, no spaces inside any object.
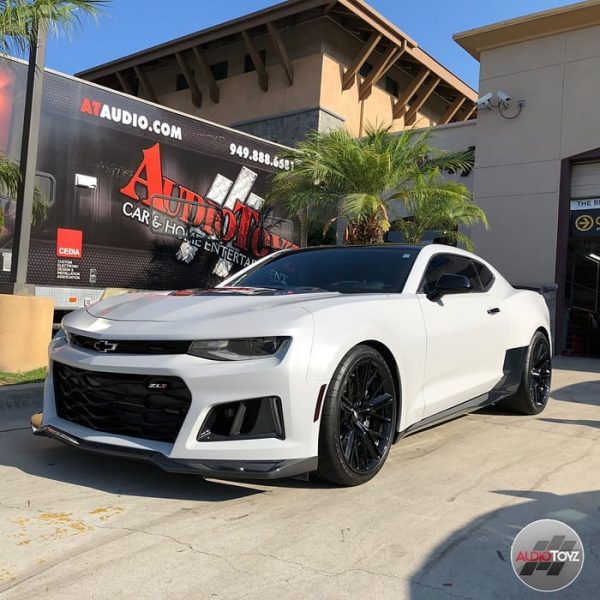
{"x":450,"y":284}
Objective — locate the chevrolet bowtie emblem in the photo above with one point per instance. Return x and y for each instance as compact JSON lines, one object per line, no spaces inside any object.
{"x":104,"y":346}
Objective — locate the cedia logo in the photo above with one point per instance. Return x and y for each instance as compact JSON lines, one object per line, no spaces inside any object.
{"x":69,"y":243}
{"x":75,"y":252}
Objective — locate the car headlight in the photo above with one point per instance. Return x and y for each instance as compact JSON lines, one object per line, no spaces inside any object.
{"x":62,"y":334}
{"x":238,"y":349}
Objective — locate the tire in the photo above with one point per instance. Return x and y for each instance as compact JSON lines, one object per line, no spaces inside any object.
{"x":358,"y":423}
{"x":534,"y":391}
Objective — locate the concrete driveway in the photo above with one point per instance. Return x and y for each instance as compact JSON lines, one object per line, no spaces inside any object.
{"x":438,"y":522}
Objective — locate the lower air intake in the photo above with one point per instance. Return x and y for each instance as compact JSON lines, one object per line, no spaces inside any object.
{"x":140,"y":406}
{"x":244,"y":420}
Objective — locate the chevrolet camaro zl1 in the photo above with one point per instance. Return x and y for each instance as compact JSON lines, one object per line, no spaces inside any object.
{"x":312,"y":360}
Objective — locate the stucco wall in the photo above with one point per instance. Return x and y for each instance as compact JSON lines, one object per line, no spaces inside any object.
{"x":456,"y":137}
{"x":319,"y":51}
{"x":377,"y":108}
{"x":291,"y":127}
{"x":243,"y":100}
{"x":518,"y":161}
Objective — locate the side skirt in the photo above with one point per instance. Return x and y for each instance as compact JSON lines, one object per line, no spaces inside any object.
{"x":514,"y":362}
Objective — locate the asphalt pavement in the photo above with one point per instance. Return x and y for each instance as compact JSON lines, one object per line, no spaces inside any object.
{"x":437,"y":522}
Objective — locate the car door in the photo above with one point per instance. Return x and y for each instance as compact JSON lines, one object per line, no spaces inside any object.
{"x":466,"y":335}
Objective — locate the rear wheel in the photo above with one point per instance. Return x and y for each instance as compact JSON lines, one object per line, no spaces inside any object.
{"x":533,"y":393}
{"x":359,"y":419}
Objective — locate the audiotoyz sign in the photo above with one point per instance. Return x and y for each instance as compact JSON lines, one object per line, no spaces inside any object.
{"x":547,"y":555}
{"x":226,"y":221}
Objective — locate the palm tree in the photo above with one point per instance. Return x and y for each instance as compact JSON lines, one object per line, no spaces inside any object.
{"x":363,"y":180}
{"x":19,"y":23}
{"x":439,"y":207}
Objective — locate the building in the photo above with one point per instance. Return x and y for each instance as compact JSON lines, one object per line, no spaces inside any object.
{"x":315,"y":64}
{"x":538,"y":160}
{"x":298,"y":66}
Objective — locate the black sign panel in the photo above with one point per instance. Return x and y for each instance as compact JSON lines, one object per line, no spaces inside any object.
{"x":106,"y":161}
{"x":585,"y":223}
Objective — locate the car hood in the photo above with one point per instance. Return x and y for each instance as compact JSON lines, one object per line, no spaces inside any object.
{"x":192,"y":306}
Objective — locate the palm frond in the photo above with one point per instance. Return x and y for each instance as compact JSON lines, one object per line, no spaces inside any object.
{"x":10,"y":177}
{"x":19,"y":20}
{"x":336,"y":174}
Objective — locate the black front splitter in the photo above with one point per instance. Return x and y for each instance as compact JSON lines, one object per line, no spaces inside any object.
{"x":216,"y":469}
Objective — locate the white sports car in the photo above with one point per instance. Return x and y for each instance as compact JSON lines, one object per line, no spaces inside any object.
{"x":313,"y":360}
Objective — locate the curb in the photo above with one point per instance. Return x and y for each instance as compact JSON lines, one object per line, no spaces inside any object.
{"x":20,"y":396}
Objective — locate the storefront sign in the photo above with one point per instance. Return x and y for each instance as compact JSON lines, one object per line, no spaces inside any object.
{"x":585,"y":223}
{"x":586,"y":204}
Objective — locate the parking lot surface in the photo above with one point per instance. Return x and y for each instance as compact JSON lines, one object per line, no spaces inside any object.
{"x":437,"y":522}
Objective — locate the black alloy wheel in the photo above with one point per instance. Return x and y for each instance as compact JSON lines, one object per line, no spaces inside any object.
{"x":359,"y":419}
{"x":534,"y":391}
{"x":540,"y":372}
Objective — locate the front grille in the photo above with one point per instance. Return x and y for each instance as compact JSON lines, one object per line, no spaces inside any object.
{"x":130,"y":346}
{"x":142,"y":406}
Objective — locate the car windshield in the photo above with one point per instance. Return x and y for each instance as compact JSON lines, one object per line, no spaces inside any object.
{"x":345,"y":270}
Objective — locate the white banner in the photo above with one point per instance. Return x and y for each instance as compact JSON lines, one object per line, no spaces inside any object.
{"x":587,"y":204}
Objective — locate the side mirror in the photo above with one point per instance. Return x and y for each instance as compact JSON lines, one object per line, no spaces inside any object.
{"x":450,"y":284}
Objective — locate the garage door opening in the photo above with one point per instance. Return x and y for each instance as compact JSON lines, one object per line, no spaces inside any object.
{"x":581,"y":313}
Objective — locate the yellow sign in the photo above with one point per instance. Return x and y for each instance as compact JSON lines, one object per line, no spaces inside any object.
{"x":584,"y":223}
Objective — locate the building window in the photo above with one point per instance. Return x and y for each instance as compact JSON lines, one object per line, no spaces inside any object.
{"x":181,"y":83}
{"x":249,"y":65}
{"x":366,"y":69}
{"x":391,"y":86}
{"x":220,"y":70}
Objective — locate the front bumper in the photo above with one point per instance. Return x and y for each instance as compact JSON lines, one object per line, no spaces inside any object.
{"x":216,"y":469}
{"x":211,"y":384}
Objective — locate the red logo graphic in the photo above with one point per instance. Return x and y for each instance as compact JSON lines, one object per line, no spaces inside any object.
{"x":239,"y":225}
{"x":69,"y":243}
{"x":91,"y":107}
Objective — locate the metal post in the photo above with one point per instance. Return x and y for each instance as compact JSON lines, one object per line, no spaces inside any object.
{"x":29,"y":148}
{"x":596,"y":290}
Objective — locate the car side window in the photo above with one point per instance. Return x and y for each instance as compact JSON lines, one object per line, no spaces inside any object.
{"x":485,"y":275}
{"x":451,"y":264}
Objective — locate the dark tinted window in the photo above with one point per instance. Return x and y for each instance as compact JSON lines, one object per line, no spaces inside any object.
{"x":365,"y":69}
{"x":220,"y":70}
{"x":249,"y":65}
{"x":391,"y":86}
{"x":485,"y":275}
{"x":181,"y":83}
{"x":345,"y":270}
{"x":451,"y":264}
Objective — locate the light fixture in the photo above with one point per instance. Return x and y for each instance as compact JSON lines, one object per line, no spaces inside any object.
{"x":594,"y":256}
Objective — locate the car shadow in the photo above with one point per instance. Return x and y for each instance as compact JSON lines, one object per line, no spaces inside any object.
{"x":584,"y":422}
{"x":577,"y":363}
{"x":49,"y":459}
{"x":584,"y":392}
{"x":474,"y":561}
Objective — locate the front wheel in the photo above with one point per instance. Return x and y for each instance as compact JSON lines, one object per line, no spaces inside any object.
{"x":359,"y":419}
{"x":534,"y":392}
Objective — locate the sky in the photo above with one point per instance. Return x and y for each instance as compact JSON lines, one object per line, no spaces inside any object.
{"x":127,"y":26}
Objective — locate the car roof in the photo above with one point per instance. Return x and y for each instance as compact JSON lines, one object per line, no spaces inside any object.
{"x":364,"y":247}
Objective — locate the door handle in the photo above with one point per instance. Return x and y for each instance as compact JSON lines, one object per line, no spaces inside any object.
{"x":493,"y":311}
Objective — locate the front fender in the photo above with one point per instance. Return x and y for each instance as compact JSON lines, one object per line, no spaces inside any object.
{"x":394,"y":321}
